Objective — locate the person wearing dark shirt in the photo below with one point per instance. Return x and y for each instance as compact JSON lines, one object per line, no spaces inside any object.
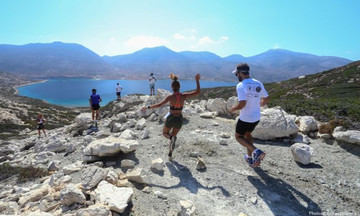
{"x":94,"y":101}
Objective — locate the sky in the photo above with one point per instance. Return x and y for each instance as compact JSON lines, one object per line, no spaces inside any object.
{"x":224,"y":27}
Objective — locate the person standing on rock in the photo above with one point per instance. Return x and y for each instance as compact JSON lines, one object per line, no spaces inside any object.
{"x":94,"y":101}
{"x":118,"y":91}
{"x":152,"y":81}
{"x":174,"y":120}
{"x":40,"y":124}
{"x":251,"y":96}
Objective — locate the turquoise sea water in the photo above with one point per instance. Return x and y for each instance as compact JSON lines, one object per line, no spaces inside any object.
{"x":76,"y":92}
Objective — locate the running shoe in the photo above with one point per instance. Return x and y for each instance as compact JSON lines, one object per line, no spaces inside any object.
{"x":257,"y":156}
{"x":249,"y":160}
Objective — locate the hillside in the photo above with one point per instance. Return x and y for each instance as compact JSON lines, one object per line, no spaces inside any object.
{"x":121,"y":168}
{"x":329,"y":95}
{"x":18,"y":113}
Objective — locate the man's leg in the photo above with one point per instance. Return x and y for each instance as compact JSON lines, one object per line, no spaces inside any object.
{"x":97,"y":114}
{"x":93,"y":114}
{"x":250,"y":139}
{"x":244,"y":142}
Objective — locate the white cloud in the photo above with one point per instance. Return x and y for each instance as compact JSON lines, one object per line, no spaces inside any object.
{"x":205,"y":40}
{"x":179,"y":36}
{"x":141,"y":41}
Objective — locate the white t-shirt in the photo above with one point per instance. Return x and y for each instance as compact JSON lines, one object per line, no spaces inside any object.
{"x":118,"y":88}
{"x":152,"y":79}
{"x":252,"y":91}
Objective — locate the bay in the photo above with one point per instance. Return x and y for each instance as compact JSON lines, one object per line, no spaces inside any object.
{"x":76,"y":92}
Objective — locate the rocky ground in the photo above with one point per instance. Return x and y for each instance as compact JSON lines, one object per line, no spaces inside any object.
{"x":328,"y":185}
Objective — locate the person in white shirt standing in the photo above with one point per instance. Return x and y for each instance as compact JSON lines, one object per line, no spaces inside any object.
{"x":251,"y":96}
{"x":152,"y":81}
{"x":118,"y":91}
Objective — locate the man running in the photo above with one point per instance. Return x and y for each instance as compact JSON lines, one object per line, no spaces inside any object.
{"x":118,"y":91}
{"x":94,"y":101}
{"x":251,"y":95}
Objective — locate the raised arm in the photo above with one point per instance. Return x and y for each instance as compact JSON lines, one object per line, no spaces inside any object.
{"x":197,"y":91}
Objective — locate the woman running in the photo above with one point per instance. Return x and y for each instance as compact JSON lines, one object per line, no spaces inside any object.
{"x":174,"y":121}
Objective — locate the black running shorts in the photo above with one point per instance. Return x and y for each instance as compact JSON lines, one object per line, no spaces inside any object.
{"x":174,"y":121}
{"x":95,"y":106}
{"x":243,"y":127}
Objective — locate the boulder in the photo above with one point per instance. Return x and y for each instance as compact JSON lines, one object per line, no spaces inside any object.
{"x":307,"y":124}
{"x":91,"y":176}
{"x":140,"y":124}
{"x":209,"y":115}
{"x":216,"y":105}
{"x":302,"y":153}
{"x":200,"y":164}
{"x":275,"y":123}
{"x":350,"y":136}
{"x":104,"y":194}
{"x":71,"y":195}
{"x":110,"y":146}
{"x":137,"y":175}
{"x":126,"y":163}
{"x":231,"y":102}
{"x":128,"y":135}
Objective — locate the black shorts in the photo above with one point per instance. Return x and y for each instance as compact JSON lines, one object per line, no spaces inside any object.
{"x":95,"y":106}
{"x":243,"y":127}
{"x":118,"y":93}
{"x":174,"y":121}
{"x":40,"y":126}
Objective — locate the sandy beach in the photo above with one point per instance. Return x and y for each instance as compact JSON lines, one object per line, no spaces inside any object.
{"x":30,"y":83}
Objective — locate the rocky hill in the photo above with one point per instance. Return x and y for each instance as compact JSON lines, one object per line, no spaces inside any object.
{"x":121,"y":167}
{"x":18,"y":114}
{"x":329,"y":95}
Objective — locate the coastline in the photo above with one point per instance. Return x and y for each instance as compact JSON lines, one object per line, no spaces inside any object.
{"x":30,"y":83}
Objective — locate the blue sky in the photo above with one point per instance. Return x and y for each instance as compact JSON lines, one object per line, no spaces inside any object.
{"x":114,"y":27}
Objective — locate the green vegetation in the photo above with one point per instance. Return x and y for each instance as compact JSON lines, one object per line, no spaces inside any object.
{"x":330,"y":95}
{"x":24,"y":174}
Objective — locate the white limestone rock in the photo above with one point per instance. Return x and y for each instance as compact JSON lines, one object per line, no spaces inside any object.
{"x":137,"y":175}
{"x":217,"y":105}
{"x":350,"y":136}
{"x":157,"y":164}
{"x":110,"y":146}
{"x":128,"y":135}
{"x":71,"y":195}
{"x":104,"y":194}
{"x":140,"y":124}
{"x":187,"y":208}
{"x":302,"y":153}
{"x":307,"y":124}
{"x":275,"y":123}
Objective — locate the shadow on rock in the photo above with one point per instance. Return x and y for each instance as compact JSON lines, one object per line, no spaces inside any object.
{"x":309,"y":166}
{"x":349,"y":147}
{"x":282,"y":198}
{"x":187,"y":180}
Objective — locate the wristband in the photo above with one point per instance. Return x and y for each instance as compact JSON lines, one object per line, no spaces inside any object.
{"x":148,"y":107}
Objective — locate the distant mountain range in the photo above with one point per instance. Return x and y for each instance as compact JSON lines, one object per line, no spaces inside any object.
{"x":73,"y":60}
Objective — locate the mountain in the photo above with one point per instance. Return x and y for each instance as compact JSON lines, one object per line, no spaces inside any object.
{"x":54,"y":59}
{"x":73,"y":60}
{"x":271,"y":66}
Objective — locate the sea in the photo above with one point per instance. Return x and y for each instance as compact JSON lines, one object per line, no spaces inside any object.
{"x":75,"y":92}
